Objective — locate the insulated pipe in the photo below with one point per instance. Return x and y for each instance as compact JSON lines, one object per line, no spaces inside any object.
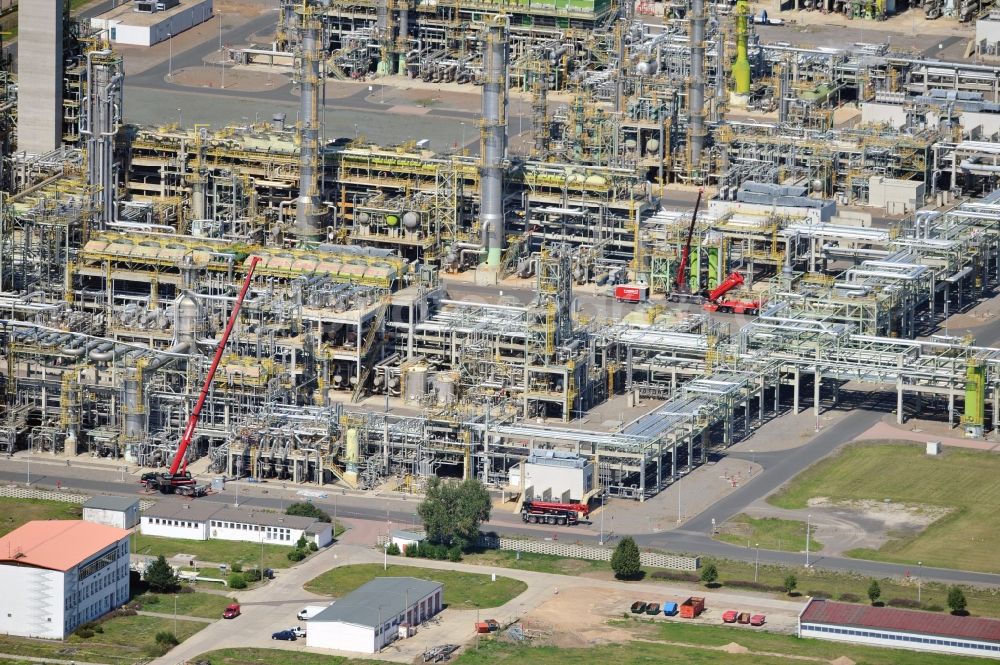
{"x":968,"y":166}
{"x":308,"y":205}
{"x":696,"y":94}
{"x":493,"y":139}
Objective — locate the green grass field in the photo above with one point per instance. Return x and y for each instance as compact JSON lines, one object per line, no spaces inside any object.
{"x":215,"y":551}
{"x":204,"y":605}
{"x":271,"y":656}
{"x":961,"y":480}
{"x":124,"y":640}
{"x":461,"y":590}
{"x":18,"y":511}
{"x":768,"y":532}
{"x":542,"y":563}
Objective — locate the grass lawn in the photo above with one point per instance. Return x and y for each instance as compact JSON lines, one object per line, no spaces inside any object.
{"x":542,"y":563}
{"x":18,"y":511}
{"x":961,"y":480}
{"x":215,"y":551}
{"x":462,"y":591}
{"x":204,"y":605}
{"x":124,"y":640}
{"x":268,"y":656}
{"x":768,"y":532}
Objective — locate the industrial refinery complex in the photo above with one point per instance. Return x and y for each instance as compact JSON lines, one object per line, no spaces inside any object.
{"x":662,"y":226}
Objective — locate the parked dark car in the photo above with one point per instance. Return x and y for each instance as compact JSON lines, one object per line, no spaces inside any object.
{"x":286,"y":635}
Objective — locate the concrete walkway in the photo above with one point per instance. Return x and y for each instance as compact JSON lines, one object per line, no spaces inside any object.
{"x":34,"y":659}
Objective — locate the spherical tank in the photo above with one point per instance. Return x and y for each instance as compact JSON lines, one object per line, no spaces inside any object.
{"x":411,"y":219}
{"x":652,"y":145}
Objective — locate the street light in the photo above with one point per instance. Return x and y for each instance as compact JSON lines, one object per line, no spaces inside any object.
{"x":385,"y":556}
{"x":601,"y":541}
{"x":463,"y":135}
{"x":756,"y":562}
{"x":29,"y":467}
{"x":220,"y":31}
{"x":175,"y":615}
{"x":180,"y":118}
{"x":170,"y":55}
{"x":808,"y":527}
{"x":918,"y":580}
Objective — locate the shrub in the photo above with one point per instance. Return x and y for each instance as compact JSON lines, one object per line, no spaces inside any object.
{"x":84,"y":633}
{"x":818,"y":595}
{"x":252,"y":575}
{"x":790,"y":583}
{"x":455,"y":554}
{"x":625,"y":560}
{"x":392,"y":549}
{"x":150,"y":600}
{"x":236,"y":567}
{"x":313,"y":547}
{"x":296,"y":555}
{"x":849,"y":598}
{"x":874,"y":592}
{"x":306,"y":509}
{"x":672,"y":575}
{"x":301,"y":543}
{"x":933,"y":608}
{"x":709,"y":574}
{"x":410,"y":551}
{"x":98,"y":628}
{"x":754,"y":586}
{"x":237,"y":581}
{"x":166,"y":638}
{"x":903,"y":602}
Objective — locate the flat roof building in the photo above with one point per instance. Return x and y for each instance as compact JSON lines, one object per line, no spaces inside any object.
{"x":202,"y":520}
{"x":117,"y":511}
{"x":142,"y":23}
{"x":368,"y":618}
{"x":58,"y":574}
{"x":903,"y":629}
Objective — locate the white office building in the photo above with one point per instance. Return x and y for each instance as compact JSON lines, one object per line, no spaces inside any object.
{"x":148,"y":22}
{"x":117,"y":511}
{"x":58,"y":574}
{"x":203,"y":520}
{"x":368,"y":618}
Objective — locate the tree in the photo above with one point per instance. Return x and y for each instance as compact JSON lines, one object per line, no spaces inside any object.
{"x":874,"y":592}
{"x":302,"y":543}
{"x":160,"y":576}
{"x":709,"y":574}
{"x":306,"y":509}
{"x":790,"y":583}
{"x":452,"y":511}
{"x":625,"y":559}
{"x":956,"y":600}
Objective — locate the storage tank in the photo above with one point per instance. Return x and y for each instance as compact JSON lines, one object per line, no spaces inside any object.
{"x":411,"y":219}
{"x":186,"y":318}
{"x":416,"y":383}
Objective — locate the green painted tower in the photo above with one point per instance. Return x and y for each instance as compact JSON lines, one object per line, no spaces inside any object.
{"x":741,"y":68}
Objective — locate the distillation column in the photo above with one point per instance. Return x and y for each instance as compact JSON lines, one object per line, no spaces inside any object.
{"x":540,"y":127}
{"x":696,"y":92}
{"x":308,"y":207}
{"x":493,"y":141}
{"x":99,"y":124}
{"x":741,"y":68}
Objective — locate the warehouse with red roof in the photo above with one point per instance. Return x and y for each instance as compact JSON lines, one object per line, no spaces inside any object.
{"x":58,"y":574}
{"x":902,"y":629}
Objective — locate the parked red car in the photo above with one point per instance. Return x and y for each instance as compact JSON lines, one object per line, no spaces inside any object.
{"x":231,"y":612}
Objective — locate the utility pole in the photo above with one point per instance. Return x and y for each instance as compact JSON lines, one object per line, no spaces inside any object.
{"x":601,"y":541}
{"x":756,"y":562}
{"x":808,"y":527}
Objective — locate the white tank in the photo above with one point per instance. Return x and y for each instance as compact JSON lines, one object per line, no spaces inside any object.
{"x":411,"y":219}
{"x":186,"y":317}
{"x":445,"y":385}
{"x":416,"y":383}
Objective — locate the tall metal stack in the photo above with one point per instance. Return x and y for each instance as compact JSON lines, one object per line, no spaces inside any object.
{"x":493,"y":140}
{"x":99,"y":124}
{"x":696,"y":92}
{"x":309,"y":210}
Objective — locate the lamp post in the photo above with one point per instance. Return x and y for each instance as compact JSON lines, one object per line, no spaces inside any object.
{"x":175,"y":615}
{"x":385,"y":556}
{"x":808,"y":528}
{"x":220,"y":31}
{"x":918,"y":580}
{"x":601,"y":541}
{"x":180,"y":118}
{"x":170,"y":55}
{"x":463,"y":136}
{"x":756,"y":562}
{"x":29,"y":467}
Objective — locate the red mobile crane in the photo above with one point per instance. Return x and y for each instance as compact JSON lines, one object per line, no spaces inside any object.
{"x":178,"y":479}
{"x":552,"y":512}
{"x":711,"y":300}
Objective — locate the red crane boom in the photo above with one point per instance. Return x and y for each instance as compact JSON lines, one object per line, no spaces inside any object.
{"x":686,"y":253}
{"x":196,"y":413}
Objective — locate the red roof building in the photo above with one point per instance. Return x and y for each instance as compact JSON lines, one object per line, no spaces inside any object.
{"x":907,"y":629}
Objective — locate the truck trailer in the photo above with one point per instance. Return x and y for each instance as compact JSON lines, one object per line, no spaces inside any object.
{"x":551,"y":512}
